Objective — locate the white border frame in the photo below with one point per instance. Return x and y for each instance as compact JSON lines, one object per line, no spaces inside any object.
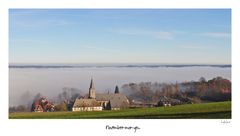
{"x":97,"y":127}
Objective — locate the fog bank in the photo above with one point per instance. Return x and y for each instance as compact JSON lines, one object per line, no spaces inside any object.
{"x":26,"y":82}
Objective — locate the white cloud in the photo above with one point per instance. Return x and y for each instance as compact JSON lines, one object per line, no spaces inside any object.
{"x":192,"y":46}
{"x":217,"y":34}
{"x":163,"y":35}
{"x":99,"y":48}
{"x":138,"y":32}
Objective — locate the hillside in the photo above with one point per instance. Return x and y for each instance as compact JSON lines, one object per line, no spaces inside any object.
{"x":217,"y":110}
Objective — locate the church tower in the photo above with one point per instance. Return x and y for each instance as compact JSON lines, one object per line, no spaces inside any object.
{"x":92,"y":90}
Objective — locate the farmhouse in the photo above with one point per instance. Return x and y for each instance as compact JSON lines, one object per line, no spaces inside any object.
{"x":42,"y":105}
{"x":87,"y":105}
{"x":99,"y":102}
{"x":165,"y":101}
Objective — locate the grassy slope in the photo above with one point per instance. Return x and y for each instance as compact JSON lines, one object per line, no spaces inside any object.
{"x":219,"y":110}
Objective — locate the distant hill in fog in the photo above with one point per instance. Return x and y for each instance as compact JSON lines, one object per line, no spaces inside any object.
{"x":116,"y":66}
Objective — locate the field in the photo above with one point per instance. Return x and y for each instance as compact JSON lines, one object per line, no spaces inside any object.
{"x":217,"y":110}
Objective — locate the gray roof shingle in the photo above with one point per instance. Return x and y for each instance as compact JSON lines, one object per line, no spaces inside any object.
{"x":116,"y":100}
{"x":86,"y":103}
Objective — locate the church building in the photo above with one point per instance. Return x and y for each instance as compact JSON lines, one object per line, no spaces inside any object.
{"x":101,"y":101}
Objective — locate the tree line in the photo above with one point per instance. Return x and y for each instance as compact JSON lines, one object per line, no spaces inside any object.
{"x":214,"y":90}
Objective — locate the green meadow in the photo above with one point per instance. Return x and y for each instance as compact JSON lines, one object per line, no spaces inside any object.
{"x":215,"y":110}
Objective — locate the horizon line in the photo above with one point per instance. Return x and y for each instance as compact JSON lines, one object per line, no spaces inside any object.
{"x":74,"y":63}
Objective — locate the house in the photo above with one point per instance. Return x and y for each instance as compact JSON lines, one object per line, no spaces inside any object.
{"x":165,"y":101}
{"x":87,"y":105}
{"x":101,"y":101}
{"x":38,"y":108}
{"x":113,"y":101}
{"x":42,"y":105}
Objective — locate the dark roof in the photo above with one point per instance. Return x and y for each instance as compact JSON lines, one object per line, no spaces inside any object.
{"x":86,"y":103}
{"x":166,"y":99}
{"x":116,"y":100}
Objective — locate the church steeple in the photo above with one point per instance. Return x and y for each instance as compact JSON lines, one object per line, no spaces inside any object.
{"x":92,"y":84}
{"x":92,"y":90}
{"x":116,"y":90}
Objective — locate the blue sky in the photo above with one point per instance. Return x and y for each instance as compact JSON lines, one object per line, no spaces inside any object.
{"x":184,"y":36}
